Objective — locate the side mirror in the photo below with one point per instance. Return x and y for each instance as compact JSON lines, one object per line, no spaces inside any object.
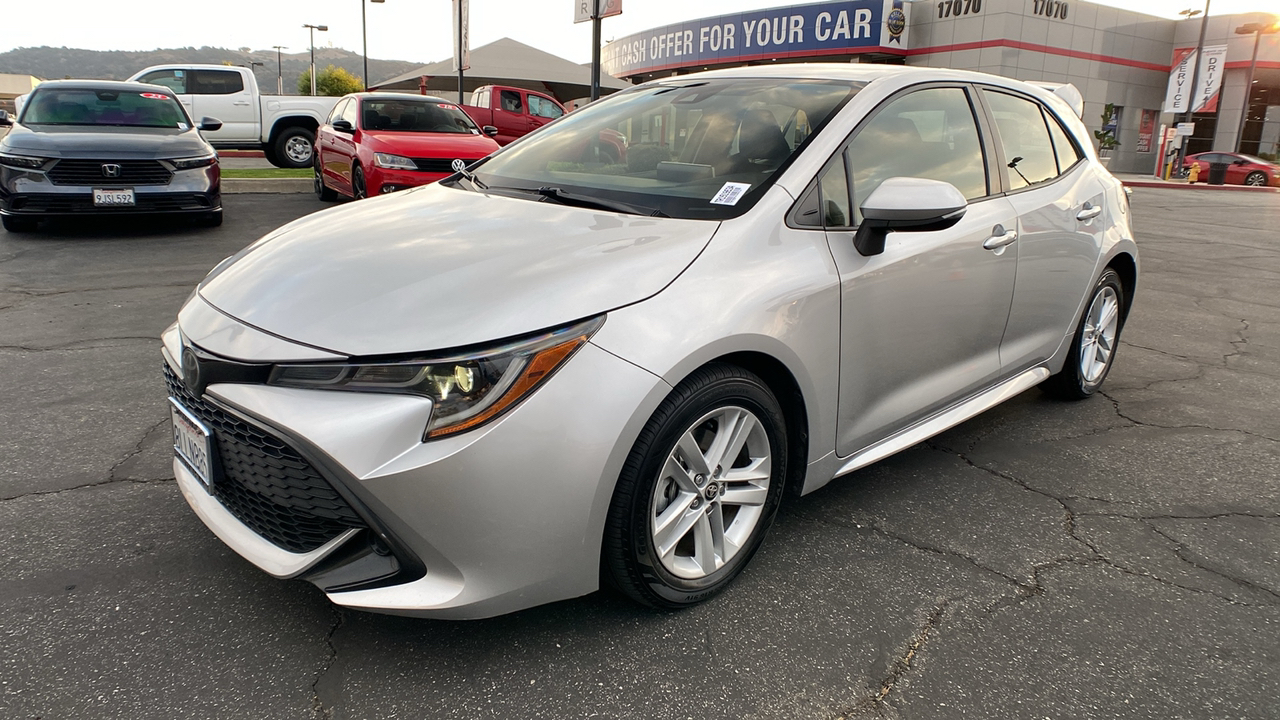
{"x":489,"y":130}
{"x":344,"y":126}
{"x":1241,"y":161}
{"x":210,"y":124}
{"x":905,"y":203}
{"x":5,"y":119}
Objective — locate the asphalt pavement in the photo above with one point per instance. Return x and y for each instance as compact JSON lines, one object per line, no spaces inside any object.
{"x":1117,"y":557}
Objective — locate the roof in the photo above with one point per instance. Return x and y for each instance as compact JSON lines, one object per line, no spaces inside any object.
{"x":103,"y":85}
{"x":407,"y":96}
{"x":508,"y":62}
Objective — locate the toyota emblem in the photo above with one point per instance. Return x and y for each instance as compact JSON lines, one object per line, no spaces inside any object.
{"x":111,"y":170}
{"x":458,"y":165}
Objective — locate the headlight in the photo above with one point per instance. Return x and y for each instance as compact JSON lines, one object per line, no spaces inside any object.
{"x":383,"y":160}
{"x":194,"y":162}
{"x":466,"y":391}
{"x":22,"y":161}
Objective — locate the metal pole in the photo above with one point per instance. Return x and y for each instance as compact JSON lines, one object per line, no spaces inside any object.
{"x":364,"y":39}
{"x":1248,"y":89}
{"x":313,"y":61}
{"x":279,"y":71}
{"x":460,"y":52}
{"x":595,"y":54}
{"x":1195,"y":84}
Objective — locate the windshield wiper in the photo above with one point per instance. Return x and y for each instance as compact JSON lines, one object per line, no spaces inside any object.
{"x":569,"y":198}
{"x":471,"y":177}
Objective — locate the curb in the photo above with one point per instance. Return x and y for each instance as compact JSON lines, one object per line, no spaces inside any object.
{"x":1197,"y":186}
{"x":234,"y":186}
{"x":241,"y":153}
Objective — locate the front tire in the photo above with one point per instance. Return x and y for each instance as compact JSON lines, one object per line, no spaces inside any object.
{"x":698,"y":491}
{"x":358,"y":187}
{"x":17,"y":224}
{"x":323,"y":192}
{"x":1256,"y":179}
{"x":295,"y":148}
{"x":1093,"y":349}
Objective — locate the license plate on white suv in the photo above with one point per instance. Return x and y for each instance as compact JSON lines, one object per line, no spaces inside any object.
{"x":114,"y":197}
{"x":192,"y":443}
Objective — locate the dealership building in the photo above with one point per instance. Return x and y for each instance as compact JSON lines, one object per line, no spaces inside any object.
{"x":1140,"y":65}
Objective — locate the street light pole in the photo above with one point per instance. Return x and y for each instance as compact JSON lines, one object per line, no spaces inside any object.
{"x":364,"y":36}
{"x":314,"y":28}
{"x":1195,"y":79}
{"x":279,"y":70}
{"x":1258,"y":30}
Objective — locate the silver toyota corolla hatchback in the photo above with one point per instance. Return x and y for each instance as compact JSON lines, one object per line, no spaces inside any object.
{"x":572,"y":364}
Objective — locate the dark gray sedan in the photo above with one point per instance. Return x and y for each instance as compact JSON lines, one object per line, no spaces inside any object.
{"x":83,"y":147}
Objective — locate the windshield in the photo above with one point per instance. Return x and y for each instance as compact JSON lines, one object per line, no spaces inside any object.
{"x":403,"y":115}
{"x":703,"y":149}
{"x":118,"y":108}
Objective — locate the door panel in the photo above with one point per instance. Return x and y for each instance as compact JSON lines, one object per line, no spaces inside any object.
{"x":509,"y":116}
{"x":921,"y":323}
{"x":222,"y":94}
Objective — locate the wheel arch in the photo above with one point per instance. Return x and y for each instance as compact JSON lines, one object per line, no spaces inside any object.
{"x":1127,"y":268}
{"x":291,"y":121}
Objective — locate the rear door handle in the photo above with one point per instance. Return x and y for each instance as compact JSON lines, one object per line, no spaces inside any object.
{"x":1089,"y":212}
{"x":240,"y":102}
{"x":999,"y":238}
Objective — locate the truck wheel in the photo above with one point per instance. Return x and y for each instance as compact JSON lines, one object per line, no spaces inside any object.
{"x":295,"y":147}
{"x":269,"y":153}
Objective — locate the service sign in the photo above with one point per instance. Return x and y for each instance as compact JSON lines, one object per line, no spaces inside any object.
{"x":800,"y":30}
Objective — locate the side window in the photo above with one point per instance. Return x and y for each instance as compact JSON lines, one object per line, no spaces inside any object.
{"x":1067,"y":152}
{"x":928,"y":134}
{"x":216,"y":82}
{"x":351,"y":115}
{"x":543,"y":107}
{"x":336,"y":112}
{"x":1028,"y":152}
{"x":511,"y":102}
{"x":175,"y":80}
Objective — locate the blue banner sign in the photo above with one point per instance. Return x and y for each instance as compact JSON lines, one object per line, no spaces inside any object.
{"x":826,"y":28}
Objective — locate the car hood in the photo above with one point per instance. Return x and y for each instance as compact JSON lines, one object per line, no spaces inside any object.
{"x":124,"y":143}
{"x":430,"y":145}
{"x":439,"y":267}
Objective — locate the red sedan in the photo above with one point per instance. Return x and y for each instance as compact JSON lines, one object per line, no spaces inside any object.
{"x":1241,"y":169}
{"x":374,"y":143}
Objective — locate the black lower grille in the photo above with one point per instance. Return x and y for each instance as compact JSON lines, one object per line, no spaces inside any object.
{"x":265,"y":483}
{"x":124,"y":172}
{"x":144,"y":202}
{"x":437,"y":165}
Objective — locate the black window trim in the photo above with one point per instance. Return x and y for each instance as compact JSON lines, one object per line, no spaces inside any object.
{"x":999,"y":145}
{"x":987,"y":143}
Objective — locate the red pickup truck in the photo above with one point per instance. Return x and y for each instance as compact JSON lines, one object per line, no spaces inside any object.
{"x":514,"y":111}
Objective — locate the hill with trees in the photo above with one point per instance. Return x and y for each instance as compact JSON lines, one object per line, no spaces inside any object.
{"x":51,"y":63}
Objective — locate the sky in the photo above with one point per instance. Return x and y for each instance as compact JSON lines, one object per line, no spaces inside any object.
{"x":413,"y":30}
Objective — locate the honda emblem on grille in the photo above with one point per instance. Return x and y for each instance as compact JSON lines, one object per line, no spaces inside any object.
{"x":458,"y":165}
{"x":110,"y":170}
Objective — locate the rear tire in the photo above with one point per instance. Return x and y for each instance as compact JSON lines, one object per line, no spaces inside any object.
{"x":1256,"y":179}
{"x":17,"y":224}
{"x":295,"y":147}
{"x":698,"y":491}
{"x":1093,"y":349}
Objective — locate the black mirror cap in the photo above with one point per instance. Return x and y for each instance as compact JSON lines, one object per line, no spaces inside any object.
{"x":210,"y":124}
{"x":343,"y":126}
{"x":489,"y":130}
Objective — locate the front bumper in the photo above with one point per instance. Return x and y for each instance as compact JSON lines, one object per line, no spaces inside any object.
{"x":384,"y":180}
{"x":25,"y":193}
{"x":505,"y":517}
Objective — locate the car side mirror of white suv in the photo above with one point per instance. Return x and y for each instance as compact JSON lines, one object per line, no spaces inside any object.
{"x":907,"y":203}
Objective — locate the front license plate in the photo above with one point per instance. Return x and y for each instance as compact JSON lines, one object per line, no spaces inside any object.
{"x":118,"y":197}
{"x":192,"y":443}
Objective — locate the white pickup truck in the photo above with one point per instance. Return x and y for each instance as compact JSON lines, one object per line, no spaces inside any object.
{"x":282,"y":127}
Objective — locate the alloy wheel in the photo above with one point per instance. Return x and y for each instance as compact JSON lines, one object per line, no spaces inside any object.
{"x":1256,"y":179}
{"x":1097,"y":344}
{"x":710,"y":493}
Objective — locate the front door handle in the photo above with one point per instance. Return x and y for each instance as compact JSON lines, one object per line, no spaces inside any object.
{"x":1089,"y":212}
{"x":240,"y":102}
{"x":999,"y":238}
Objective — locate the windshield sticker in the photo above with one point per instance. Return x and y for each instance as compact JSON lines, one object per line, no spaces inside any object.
{"x":731,"y":193}
{"x":178,"y":73}
{"x":154,"y":96}
{"x":182,"y":126}
{"x":447,"y":107}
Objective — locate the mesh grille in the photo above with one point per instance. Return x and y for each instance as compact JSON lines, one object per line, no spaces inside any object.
{"x":90,"y":172}
{"x":265,"y":483}
{"x":436,"y":165}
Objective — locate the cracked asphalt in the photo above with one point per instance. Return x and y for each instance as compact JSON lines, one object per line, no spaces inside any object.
{"x":1118,"y":557}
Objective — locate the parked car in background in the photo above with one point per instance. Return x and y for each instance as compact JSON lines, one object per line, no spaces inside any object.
{"x":377,"y":143}
{"x":515,"y":112}
{"x":541,"y":374}
{"x":282,"y":127}
{"x":83,"y":147}
{"x":1241,"y":169}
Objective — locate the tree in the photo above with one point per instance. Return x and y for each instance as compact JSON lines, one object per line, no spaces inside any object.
{"x":332,"y":81}
{"x":1107,"y":135}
